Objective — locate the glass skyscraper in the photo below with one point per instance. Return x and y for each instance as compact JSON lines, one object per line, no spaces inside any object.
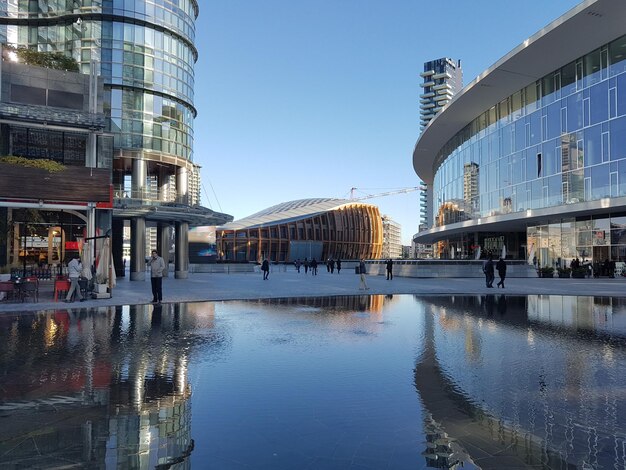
{"x":144,"y":50}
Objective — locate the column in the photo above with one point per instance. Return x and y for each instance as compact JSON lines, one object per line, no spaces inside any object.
{"x":117,"y":246}
{"x":164,"y":185}
{"x":163,"y":245}
{"x":138,"y":249}
{"x":182,"y":251}
{"x":139,"y":177}
{"x":182,"y":188}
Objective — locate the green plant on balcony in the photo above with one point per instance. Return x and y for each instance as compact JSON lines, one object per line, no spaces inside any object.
{"x":49,"y":60}
{"x":564,"y":272}
{"x":546,"y":271}
{"x":43,"y":164}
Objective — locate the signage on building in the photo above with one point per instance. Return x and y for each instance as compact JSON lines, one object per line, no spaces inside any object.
{"x":493,"y":243}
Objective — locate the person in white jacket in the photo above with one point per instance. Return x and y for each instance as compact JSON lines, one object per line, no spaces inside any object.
{"x":157,"y":266}
{"x":74,"y":269}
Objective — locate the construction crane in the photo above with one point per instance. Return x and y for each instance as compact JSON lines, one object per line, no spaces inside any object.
{"x":388,"y":193}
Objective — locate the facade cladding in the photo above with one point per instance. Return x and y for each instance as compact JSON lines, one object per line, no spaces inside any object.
{"x":306,"y":228}
{"x":543,"y":170}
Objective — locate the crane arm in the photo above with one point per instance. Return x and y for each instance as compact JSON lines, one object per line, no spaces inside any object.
{"x":388,"y":193}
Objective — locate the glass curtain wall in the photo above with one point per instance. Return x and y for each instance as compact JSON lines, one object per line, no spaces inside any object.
{"x":561,"y":140}
{"x":143,"y":49}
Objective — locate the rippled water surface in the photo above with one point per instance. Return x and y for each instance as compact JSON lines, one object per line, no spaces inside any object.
{"x":344,"y":382}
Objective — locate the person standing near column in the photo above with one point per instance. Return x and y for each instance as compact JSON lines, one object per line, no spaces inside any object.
{"x":74,"y":270}
{"x":157,"y":266}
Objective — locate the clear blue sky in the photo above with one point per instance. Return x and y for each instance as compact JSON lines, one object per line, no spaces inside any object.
{"x":302,"y":99}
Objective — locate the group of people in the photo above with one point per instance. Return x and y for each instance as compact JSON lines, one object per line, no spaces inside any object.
{"x":489,"y":268}
{"x":330,"y":265}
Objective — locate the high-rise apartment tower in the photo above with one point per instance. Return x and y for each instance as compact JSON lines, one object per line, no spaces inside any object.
{"x":442,"y":79}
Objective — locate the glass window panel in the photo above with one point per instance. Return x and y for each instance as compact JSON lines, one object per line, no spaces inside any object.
{"x":574,"y":112}
{"x":617,"y":138}
{"x":591,"y":66}
{"x":600,"y":186}
{"x":598,"y":95}
{"x":593,"y":145}
{"x":617,"y":56}
{"x":568,"y":79}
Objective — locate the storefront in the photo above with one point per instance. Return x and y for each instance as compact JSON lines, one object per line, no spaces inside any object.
{"x":590,"y":239}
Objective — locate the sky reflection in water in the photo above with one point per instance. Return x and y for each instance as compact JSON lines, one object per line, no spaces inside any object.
{"x":364,"y":381}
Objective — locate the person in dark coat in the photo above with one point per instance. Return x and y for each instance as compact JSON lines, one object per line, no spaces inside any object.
{"x":314,"y":267}
{"x":389,"y":269}
{"x":338,"y":265}
{"x":306,"y":265}
{"x":488,"y":270}
{"x":265,"y":267}
{"x":501,"y":267}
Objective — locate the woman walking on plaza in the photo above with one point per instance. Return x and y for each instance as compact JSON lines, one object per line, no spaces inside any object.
{"x":363,"y":282}
{"x":338,"y":265}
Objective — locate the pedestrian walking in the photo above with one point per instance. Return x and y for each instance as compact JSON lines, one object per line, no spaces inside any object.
{"x":297,"y":265}
{"x":362,"y":282}
{"x":265,"y":267}
{"x":314,"y":267}
{"x":501,"y":267}
{"x":306,"y":266}
{"x":488,"y":270}
{"x":74,"y":270}
{"x":328,"y":265}
{"x":338,"y":265}
{"x":332,"y":266}
{"x":157,"y":266}
{"x":389,"y":269}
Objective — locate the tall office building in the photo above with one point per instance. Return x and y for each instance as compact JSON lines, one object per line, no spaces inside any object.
{"x":145,"y":53}
{"x":442,"y":79}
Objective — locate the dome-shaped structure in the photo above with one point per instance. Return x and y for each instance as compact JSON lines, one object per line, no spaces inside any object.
{"x":318,"y":228}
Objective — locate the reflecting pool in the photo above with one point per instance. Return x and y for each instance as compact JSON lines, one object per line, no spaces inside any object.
{"x":334,"y":382}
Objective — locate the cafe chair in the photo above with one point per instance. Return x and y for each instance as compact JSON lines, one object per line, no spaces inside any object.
{"x":8,"y":289}
{"x":61,"y":287}
{"x":29,"y":289}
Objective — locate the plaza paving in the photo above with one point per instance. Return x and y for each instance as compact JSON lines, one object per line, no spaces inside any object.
{"x":199,"y":287}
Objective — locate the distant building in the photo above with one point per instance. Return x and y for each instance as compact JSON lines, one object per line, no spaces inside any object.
{"x":392,"y":238}
{"x":442,"y":79}
{"x":306,"y":228}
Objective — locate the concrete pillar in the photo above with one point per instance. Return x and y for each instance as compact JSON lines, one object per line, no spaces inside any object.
{"x":117,"y":246}
{"x":182,"y":251}
{"x":138,"y":249}
{"x":182,"y":186}
{"x":163,"y":245}
{"x":164,"y":183}
{"x":139,"y":177}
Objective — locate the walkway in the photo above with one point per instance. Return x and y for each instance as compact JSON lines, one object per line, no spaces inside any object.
{"x":201,"y":287}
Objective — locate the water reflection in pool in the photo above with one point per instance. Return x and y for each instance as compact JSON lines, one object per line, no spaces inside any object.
{"x":363,"y":382}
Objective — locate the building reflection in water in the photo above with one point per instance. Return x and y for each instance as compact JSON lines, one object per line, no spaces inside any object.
{"x":540,"y":377}
{"x":101,"y":388}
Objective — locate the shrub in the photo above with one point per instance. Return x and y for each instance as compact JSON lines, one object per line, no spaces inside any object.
{"x":546,"y":271}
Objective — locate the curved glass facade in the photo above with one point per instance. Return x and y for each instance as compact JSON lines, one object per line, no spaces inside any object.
{"x":561,"y":140}
{"x":145,"y":53}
